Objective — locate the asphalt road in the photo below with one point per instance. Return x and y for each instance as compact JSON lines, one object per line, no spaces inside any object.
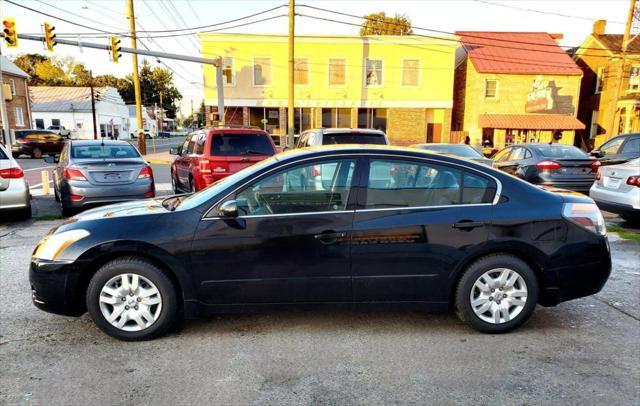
{"x":582,"y":352}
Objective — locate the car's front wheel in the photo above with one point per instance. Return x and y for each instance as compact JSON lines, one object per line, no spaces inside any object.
{"x":497,"y":293}
{"x":132,"y":299}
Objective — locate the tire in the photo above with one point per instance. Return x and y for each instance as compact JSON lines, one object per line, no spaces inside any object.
{"x":631,"y":218}
{"x":25,"y":214}
{"x":67,"y":211}
{"x":55,"y":194}
{"x":156,"y":319}
{"x":192,"y":186}
{"x":174,"y":184}
{"x":514,"y":313}
{"x":36,"y":153}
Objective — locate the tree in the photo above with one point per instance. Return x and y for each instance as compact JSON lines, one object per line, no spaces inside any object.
{"x":153,"y":81}
{"x":381,"y":24}
{"x":29,"y":63}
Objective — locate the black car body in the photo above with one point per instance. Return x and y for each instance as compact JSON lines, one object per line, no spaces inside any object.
{"x":37,"y":143}
{"x":460,"y":150}
{"x":244,"y":245}
{"x":553,"y":165}
{"x":619,"y":149}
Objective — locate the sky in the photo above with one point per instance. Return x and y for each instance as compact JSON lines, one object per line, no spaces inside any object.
{"x":572,"y":18}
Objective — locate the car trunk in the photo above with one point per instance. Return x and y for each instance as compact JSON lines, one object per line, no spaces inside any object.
{"x":232,"y":164}
{"x":574,"y":169}
{"x":616,"y":178}
{"x":112,"y":172}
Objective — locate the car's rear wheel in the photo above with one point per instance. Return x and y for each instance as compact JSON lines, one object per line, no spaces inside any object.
{"x":192,"y":185}
{"x":132,"y":299}
{"x":25,"y":214}
{"x":496,"y":293}
{"x":174,"y":186}
{"x":631,"y":218}
{"x":36,"y":153}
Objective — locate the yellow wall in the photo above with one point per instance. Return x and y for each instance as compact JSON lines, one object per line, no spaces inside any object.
{"x":435,"y":89}
{"x":512,"y":97}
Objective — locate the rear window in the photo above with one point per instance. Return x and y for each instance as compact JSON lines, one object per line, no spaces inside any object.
{"x":560,"y":151}
{"x":103,"y":152}
{"x":353,"y":138}
{"x":241,"y":144}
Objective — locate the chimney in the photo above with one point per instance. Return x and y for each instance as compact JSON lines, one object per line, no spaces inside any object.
{"x":599,"y":27}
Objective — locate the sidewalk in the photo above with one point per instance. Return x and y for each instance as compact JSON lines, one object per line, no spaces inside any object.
{"x":159,"y":158}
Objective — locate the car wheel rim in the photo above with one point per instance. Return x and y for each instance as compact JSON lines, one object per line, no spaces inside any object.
{"x":130,"y":302}
{"x":499,"y":295}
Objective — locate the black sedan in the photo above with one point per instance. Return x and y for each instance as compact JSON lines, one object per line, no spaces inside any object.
{"x":339,"y":226}
{"x":461,"y":150}
{"x":554,"y":165}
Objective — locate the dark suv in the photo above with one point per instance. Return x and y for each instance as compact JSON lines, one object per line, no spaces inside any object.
{"x":619,"y":149}
{"x":211,"y":154}
{"x":36,"y":143}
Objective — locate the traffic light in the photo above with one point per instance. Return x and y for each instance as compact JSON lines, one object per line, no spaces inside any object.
{"x":115,"y":48}
{"x":10,"y":33}
{"x":49,"y":36}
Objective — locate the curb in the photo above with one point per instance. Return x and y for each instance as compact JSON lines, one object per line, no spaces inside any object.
{"x":157,"y":161}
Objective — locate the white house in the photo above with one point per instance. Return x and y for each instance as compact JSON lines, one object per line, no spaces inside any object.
{"x":71,"y":108}
{"x":150,"y":122}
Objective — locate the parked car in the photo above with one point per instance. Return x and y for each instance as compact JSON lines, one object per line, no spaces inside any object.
{"x":147,"y":135}
{"x":60,"y":129}
{"x":461,"y":150}
{"x":37,"y":143}
{"x":556,"y":165}
{"x":618,"y":149}
{"x":209,"y":155}
{"x":331,"y":136}
{"x":96,"y":172}
{"x":617,"y":189}
{"x":394,"y":226}
{"x":14,"y":189}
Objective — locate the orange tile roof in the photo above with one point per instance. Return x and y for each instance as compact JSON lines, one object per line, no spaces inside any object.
{"x":517,"y":53}
{"x":530,"y":121}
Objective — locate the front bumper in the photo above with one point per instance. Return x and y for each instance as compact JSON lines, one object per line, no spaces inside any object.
{"x":16,"y":196}
{"x":55,"y":287}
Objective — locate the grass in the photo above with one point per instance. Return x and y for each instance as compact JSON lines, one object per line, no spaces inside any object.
{"x":623,"y":233}
{"x":48,"y":217}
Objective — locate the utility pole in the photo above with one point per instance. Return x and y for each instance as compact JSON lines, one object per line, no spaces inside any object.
{"x":290,"y":113}
{"x":142,"y":140}
{"x":161,"y":114}
{"x":93,"y":106}
{"x":620,"y":71}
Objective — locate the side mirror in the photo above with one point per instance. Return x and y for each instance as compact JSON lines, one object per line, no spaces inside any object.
{"x":596,"y":153}
{"x":229,"y":209}
{"x":174,"y":151}
{"x":52,"y":159}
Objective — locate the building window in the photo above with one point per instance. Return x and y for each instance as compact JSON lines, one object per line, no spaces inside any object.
{"x":227,"y":71}
{"x":599,"y":79}
{"x":337,"y":72}
{"x":336,"y":118}
{"x":12,"y":83}
{"x":19,"y":116}
{"x":490,"y":89}
{"x":373,"y":74}
{"x":301,"y":71}
{"x":39,"y":124}
{"x":410,"y":72}
{"x":634,"y":78}
{"x":372,"y":118}
{"x":262,"y":71}
{"x":55,"y":121}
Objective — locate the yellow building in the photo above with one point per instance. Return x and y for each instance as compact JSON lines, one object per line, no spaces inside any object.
{"x":400,"y":84}
{"x":513,"y":87}
{"x":599,"y":58}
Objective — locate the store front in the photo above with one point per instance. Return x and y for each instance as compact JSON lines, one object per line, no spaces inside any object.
{"x":501,"y":130}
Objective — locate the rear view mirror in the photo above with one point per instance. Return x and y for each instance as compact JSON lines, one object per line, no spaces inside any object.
{"x":229,"y":209}
{"x":174,"y":151}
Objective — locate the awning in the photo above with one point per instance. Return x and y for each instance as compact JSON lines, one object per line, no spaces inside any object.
{"x":530,"y":121}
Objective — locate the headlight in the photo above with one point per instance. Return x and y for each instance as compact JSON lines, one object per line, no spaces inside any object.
{"x":52,"y":245}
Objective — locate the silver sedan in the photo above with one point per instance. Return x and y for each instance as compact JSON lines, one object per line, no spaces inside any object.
{"x":617,"y":189}
{"x":95,"y":172}
{"x":14,"y":190}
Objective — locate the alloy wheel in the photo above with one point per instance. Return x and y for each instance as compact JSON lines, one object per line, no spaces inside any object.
{"x":130,"y":302}
{"x":499,"y":295}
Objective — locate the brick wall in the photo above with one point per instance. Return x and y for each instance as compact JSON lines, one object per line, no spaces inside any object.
{"x":406,"y":126}
{"x":19,"y":99}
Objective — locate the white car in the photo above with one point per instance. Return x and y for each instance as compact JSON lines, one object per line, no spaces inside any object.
{"x":14,"y":190}
{"x":617,"y":189}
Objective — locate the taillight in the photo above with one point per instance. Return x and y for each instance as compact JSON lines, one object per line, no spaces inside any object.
{"x":11,"y":173}
{"x":548,"y":165}
{"x":76,"y":198}
{"x":598,"y":175}
{"x":586,"y":215}
{"x":595,"y":165}
{"x":22,"y":140}
{"x":150,"y":193}
{"x":146,"y":173}
{"x":73,"y":174}
{"x":204,"y":166}
{"x":633,"y":181}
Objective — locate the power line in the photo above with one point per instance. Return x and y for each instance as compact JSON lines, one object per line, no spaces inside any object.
{"x":80,"y":16}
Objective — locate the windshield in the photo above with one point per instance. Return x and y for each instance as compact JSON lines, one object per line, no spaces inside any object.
{"x":459,"y":150}
{"x":239,"y":144}
{"x":96,"y":151}
{"x":353,"y":138}
{"x":208,"y":193}
{"x":560,"y":151}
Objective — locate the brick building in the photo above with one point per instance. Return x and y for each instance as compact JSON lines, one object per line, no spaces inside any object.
{"x":16,"y":95}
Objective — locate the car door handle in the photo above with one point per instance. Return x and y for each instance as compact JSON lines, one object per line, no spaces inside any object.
{"x":329,"y":237}
{"x":468,"y":225}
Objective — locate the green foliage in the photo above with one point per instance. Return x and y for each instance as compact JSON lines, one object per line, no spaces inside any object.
{"x":381,"y":24}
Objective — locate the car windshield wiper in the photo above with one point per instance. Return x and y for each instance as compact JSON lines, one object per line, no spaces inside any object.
{"x":253,"y":152}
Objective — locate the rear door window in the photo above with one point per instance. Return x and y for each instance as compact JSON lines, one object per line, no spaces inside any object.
{"x":612,"y":146}
{"x":632,"y":147}
{"x":517,"y":154}
{"x":200,"y":140}
{"x":353,"y":138}
{"x":241,"y":144}
{"x":502,"y":155}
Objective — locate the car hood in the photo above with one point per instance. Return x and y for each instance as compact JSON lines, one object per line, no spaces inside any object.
{"x":127,"y":209}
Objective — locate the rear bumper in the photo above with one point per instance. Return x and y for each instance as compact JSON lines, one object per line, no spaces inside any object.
{"x":16,"y":196}
{"x":20,"y":149}
{"x":616,"y":202}
{"x":54,"y":287}
{"x":91,"y":195}
{"x":575,"y":186}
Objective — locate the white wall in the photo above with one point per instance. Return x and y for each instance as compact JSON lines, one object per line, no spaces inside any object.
{"x":107,"y":114}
